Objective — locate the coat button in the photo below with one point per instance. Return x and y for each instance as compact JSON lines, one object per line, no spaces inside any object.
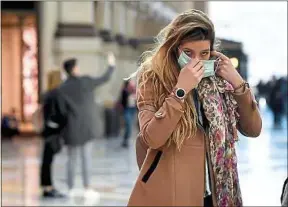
{"x":159,"y":114}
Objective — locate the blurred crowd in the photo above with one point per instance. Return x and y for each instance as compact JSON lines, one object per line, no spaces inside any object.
{"x":274,"y":91}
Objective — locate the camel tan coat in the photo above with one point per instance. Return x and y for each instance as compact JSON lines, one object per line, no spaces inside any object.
{"x":169,"y":177}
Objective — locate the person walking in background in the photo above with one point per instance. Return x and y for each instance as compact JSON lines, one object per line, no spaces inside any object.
{"x":260,"y":88}
{"x":284,"y":92}
{"x":277,"y":101}
{"x":269,"y":87}
{"x":9,"y":125}
{"x":128,"y":103}
{"x":79,"y":132}
{"x":52,"y":125}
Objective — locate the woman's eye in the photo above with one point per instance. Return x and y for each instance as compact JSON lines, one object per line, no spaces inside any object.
{"x":204,"y":53}
{"x":188,"y":53}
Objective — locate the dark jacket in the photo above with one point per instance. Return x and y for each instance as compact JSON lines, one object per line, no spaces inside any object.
{"x":125,"y":95}
{"x":52,"y":112}
{"x":78,"y":95}
{"x":277,"y":98}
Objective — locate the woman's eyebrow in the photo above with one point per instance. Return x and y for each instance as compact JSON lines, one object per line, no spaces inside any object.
{"x":186,"y":48}
{"x":205,"y":50}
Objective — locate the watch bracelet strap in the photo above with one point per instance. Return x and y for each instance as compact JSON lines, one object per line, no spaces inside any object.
{"x":240,"y":86}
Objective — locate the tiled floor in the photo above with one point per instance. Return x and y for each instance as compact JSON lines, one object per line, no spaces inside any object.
{"x":262,"y":167}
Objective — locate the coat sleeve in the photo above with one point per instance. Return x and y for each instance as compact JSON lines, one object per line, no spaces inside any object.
{"x":94,"y":82}
{"x":141,"y":151}
{"x":156,"y":126}
{"x":250,"y":123}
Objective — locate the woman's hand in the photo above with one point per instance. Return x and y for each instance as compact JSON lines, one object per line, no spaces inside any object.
{"x":190,"y":75}
{"x":226,"y":70}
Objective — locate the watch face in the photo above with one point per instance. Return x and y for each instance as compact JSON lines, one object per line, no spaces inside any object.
{"x":180,"y":93}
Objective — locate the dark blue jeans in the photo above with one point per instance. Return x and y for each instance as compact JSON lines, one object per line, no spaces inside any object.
{"x":129,"y":114}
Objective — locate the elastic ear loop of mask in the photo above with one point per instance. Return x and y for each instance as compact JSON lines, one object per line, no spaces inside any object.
{"x":180,"y":50}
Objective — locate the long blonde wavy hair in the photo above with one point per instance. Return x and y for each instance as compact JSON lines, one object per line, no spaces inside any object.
{"x":160,"y":66}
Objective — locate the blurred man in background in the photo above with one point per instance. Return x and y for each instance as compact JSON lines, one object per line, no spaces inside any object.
{"x":276,"y":102}
{"x":78,"y":94}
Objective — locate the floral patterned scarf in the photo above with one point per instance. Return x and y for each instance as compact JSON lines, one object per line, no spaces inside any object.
{"x":220,"y":110}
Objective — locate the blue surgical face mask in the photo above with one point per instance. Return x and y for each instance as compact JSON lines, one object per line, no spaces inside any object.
{"x":208,"y":68}
{"x":184,"y":59}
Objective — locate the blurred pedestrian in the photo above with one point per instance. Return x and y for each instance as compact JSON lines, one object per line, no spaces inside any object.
{"x":78,"y":93}
{"x":189,"y":118}
{"x":128,"y":103}
{"x":261,"y":88}
{"x":53,"y":123}
{"x":9,"y":125}
{"x":284,"y":92}
{"x":277,"y":101}
{"x":269,"y":86}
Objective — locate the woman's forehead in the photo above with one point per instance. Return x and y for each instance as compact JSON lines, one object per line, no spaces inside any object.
{"x":196,"y":45}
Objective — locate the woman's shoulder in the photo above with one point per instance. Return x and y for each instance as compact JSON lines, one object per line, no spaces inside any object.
{"x":146,"y":92}
{"x":146,"y":82}
{"x":146,"y":77}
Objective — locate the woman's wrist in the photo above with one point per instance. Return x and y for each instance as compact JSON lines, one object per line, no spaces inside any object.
{"x":241,"y":87}
{"x":237,"y":82}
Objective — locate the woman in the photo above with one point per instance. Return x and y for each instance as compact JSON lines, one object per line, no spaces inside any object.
{"x":50,"y":128}
{"x":128,"y":103}
{"x":189,"y":118}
